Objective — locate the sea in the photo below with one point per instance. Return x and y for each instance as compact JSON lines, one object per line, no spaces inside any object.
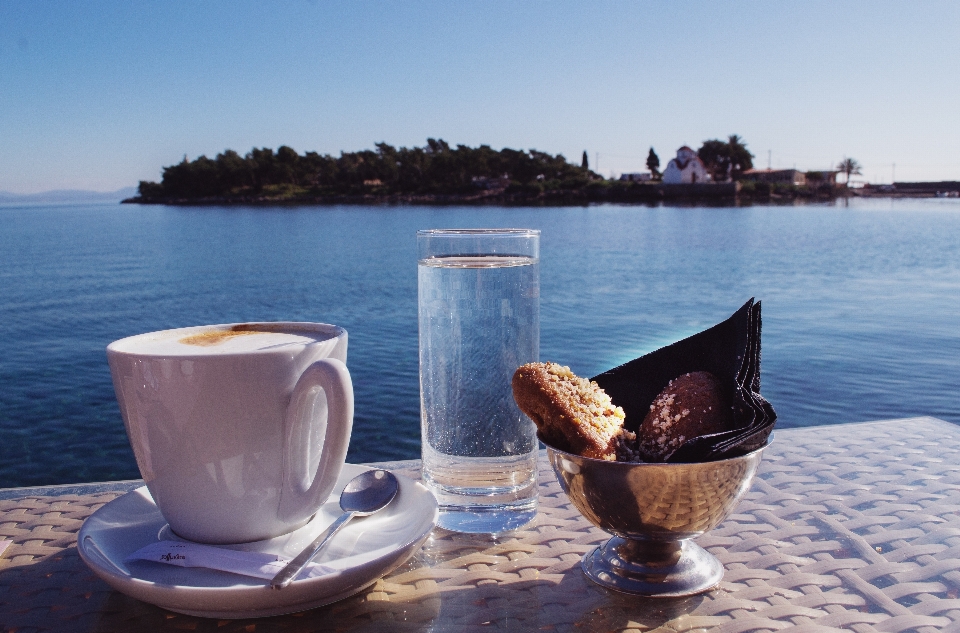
{"x":861,"y":304}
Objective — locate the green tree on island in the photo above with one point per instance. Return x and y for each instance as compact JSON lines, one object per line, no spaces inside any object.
{"x":653,"y":164}
{"x":584,"y":163}
{"x":850,"y":167}
{"x":726,"y":160}
{"x":436,"y":168}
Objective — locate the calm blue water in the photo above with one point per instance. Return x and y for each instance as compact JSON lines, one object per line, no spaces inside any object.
{"x":861,"y":305}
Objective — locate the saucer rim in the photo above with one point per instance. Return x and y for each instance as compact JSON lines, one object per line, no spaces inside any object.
{"x":298,"y":596}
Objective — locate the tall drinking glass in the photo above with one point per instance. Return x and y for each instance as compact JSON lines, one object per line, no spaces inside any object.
{"x":479,"y":299}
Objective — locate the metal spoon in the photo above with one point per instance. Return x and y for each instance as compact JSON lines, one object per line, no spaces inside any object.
{"x":363,"y":495}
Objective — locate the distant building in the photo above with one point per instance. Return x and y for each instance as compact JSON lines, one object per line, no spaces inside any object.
{"x":816,"y":178}
{"x":685,"y":168}
{"x":793,"y":177}
{"x":948,"y":187}
{"x":638,"y":176}
{"x":777,"y":176}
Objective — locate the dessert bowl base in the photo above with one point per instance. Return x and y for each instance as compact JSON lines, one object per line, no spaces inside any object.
{"x":670,"y":569}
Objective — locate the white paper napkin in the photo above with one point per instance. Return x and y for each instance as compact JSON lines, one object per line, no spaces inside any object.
{"x":255,"y":564}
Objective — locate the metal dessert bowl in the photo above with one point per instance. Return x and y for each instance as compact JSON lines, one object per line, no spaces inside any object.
{"x":654,"y":511}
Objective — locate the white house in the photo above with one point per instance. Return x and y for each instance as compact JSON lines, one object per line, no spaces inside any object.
{"x":685,"y":168}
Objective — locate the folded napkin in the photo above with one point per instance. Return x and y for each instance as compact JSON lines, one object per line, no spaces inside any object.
{"x":730,"y":351}
{"x":255,"y":564}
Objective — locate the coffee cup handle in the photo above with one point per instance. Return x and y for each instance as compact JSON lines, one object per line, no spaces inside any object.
{"x":301,"y":492}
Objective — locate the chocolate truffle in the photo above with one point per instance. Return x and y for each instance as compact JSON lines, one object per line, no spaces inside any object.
{"x":689,"y":406}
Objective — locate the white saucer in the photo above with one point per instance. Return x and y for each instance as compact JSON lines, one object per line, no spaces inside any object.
{"x":363,"y":551}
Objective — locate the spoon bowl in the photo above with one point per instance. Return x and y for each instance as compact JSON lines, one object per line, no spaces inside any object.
{"x":369,"y":492}
{"x":363,"y":495}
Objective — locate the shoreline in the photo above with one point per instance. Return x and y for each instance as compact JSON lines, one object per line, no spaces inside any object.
{"x":630,"y":194}
{"x":709,"y":194}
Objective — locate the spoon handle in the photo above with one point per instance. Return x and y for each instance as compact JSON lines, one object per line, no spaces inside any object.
{"x":286,"y":575}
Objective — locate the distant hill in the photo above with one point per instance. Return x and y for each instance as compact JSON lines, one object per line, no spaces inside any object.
{"x":67,"y":196}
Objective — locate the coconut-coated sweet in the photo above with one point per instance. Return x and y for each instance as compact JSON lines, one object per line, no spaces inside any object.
{"x":689,"y":406}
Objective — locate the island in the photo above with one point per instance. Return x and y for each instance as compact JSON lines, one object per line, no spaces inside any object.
{"x":438,"y":173}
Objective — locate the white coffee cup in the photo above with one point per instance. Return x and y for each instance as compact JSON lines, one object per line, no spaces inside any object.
{"x":239,"y":430}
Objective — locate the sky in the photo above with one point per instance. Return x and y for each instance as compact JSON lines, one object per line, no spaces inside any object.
{"x":100,"y":95}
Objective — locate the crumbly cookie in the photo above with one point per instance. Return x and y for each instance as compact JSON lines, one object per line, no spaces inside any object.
{"x":572,"y":414}
{"x":689,"y":406}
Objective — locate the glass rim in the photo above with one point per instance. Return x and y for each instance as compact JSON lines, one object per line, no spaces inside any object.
{"x":452,"y":232}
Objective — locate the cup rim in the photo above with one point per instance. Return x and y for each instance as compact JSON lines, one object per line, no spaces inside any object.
{"x":116,"y":347}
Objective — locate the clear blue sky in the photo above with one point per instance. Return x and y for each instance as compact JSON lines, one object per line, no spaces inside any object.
{"x":99,"y":95}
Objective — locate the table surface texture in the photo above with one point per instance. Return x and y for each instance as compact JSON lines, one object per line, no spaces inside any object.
{"x":853,"y":527}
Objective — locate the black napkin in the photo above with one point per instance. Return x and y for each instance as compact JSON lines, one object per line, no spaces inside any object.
{"x":730,"y":351}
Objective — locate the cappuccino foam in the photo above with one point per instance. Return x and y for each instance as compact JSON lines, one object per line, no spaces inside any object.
{"x":218,"y":340}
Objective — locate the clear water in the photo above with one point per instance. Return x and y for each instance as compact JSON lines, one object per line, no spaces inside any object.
{"x":479,"y":321}
{"x":861,"y":305}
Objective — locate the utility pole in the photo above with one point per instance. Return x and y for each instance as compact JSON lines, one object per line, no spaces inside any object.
{"x":596,"y":162}
{"x":893,"y":173}
{"x":769,"y":159}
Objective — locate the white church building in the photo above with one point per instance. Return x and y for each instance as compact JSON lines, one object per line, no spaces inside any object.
{"x":685,"y":168}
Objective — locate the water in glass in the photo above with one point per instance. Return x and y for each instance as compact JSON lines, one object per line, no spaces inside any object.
{"x":479,"y":321}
